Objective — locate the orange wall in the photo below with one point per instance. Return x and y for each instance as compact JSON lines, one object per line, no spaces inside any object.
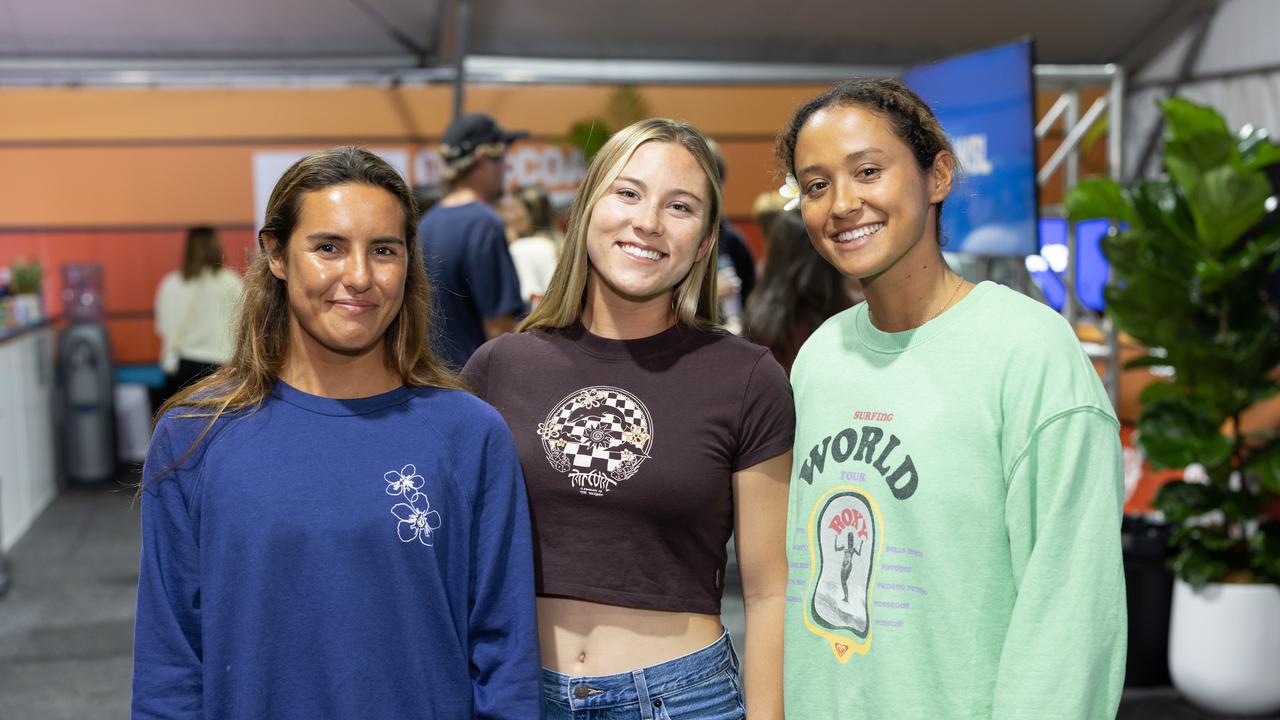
{"x":115,"y":175}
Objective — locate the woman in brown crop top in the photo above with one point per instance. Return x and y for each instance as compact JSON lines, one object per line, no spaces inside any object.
{"x":647,"y":435}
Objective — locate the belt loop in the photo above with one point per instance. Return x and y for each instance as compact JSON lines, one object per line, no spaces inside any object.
{"x":642,"y":694}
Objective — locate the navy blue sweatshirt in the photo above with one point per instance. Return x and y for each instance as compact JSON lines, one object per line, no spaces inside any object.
{"x":319,"y":558}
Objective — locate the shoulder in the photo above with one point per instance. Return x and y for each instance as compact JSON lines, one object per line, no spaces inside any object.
{"x":455,"y":412}
{"x":1023,"y":326}
{"x":727,"y":353}
{"x":468,"y":215}
{"x":171,"y":281}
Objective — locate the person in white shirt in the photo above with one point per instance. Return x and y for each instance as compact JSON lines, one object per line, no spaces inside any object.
{"x":196,"y":307}
{"x":527,"y":214}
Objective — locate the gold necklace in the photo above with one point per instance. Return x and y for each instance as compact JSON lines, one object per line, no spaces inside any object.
{"x":945,"y":305}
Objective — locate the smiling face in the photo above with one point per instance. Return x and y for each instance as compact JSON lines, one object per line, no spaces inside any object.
{"x":650,"y":226}
{"x":344,"y":267}
{"x":865,"y":201}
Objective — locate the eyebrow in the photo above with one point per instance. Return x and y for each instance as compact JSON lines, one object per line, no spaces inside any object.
{"x":849,"y":159}
{"x":331,"y":236}
{"x":677,"y":191}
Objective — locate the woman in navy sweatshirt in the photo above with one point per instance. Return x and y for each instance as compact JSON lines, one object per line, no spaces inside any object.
{"x":331,"y":527}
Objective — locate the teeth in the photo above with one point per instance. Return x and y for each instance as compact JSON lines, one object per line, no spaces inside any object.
{"x":641,"y":252}
{"x":865,"y":230}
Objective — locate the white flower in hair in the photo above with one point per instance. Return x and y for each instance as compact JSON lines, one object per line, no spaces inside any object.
{"x":791,"y":191}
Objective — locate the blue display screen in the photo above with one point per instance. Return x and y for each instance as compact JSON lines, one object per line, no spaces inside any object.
{"x":1091,"y":269}
{"x":986,"y":104}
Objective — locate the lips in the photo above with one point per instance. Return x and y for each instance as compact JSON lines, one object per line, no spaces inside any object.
{"x":641,"y":253}
{"x":353,"y":307}
{"x":858,"y":233}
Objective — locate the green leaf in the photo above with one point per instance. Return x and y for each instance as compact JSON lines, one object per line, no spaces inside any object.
{"x":1264,"y":546}
{"x":1157,"y":390}
{"x":1257,"y":151}
{"x":1161,"y":207}
{"x":1099,"y":198}
{"x":1146,"y":361}
{"x":1198,"y":566}
{"x":1176,"y":432}
{"x":1196,"y":136}
{"x":1264,"y":464}
{"x":1227,"y":202}
{"x":1181,"y":501}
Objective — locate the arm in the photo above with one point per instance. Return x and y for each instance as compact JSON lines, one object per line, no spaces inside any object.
{"x":505,"y":671}
{"x":760,"y":522}
{"x":1064,"y":653}
{"x":167,"y":667}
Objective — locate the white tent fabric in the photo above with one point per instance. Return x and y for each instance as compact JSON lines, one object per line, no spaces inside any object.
{"x":1237,"y":72}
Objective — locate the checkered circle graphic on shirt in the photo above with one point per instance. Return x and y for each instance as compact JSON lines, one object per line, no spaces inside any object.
{"x":597,"y":437}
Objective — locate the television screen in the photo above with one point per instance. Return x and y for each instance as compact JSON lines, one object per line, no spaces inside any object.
{"x":1049,"y":267}
{"x":986,"y":104}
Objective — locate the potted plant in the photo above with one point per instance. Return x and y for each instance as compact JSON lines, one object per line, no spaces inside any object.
{"x":24,"y":284}
{"x":1190,"y":256}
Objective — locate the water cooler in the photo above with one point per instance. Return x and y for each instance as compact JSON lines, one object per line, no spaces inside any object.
{"x":87,"y":380}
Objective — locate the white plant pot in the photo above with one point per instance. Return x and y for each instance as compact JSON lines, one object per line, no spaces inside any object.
{"x":1224,"y":647}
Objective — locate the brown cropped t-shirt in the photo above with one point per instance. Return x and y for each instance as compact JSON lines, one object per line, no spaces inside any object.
{"x":629,"y":448}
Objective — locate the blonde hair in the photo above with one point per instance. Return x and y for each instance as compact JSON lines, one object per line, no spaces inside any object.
{"x":262,"y":330}
{"x":694,"y":297}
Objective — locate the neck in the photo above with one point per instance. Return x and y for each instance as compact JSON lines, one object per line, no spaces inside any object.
{"x":917,"y":288}
{"x":461,"y":194}
{"x":607,"y":315}
{"x":316,"y":370}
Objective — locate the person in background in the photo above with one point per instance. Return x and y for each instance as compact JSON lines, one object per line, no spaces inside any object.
{"x":961,"y":435}
{"x":527,"y":213}
{"x":331,"y":526}
{"x":797,"y":292}
{"x":765,"y":209}
{"x":647,"y":435}
{"x":477,"y":291}
{"x":195,"y":310}
{"x":736,"y":268}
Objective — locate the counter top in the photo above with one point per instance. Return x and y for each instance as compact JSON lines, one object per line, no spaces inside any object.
{"x":7,"y":334}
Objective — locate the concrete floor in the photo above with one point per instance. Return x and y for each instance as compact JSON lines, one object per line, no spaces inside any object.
{"x":66,"y":623}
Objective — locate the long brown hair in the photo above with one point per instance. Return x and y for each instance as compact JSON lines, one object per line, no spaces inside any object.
{"x":695,"y":295}
{"x":262,"y":330}
{"x":202,"y":252}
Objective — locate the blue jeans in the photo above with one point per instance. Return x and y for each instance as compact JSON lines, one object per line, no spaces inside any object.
{"x":702,"y":685}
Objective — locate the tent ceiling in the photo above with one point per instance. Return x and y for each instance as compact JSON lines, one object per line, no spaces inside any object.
{"x":287,"y":35}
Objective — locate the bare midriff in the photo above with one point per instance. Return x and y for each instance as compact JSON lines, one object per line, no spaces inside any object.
{"x":581,"y":638}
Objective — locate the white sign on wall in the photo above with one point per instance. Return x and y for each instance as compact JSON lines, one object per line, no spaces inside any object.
{"x":270,"y":165}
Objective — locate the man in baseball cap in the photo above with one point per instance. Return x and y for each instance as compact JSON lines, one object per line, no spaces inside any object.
{"x":475,"y":287}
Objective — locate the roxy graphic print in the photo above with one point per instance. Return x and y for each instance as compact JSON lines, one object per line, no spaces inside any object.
{"x":597,"y":437}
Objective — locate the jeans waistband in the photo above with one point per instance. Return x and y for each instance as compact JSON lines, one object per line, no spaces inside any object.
{"x":602,"y":691}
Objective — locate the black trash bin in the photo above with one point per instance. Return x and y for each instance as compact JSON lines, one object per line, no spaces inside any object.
{"x":1150,"y":592}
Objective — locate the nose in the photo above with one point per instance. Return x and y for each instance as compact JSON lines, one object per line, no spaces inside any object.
{"x":648,"y":218}
{"x":847,"y":200}
{"x":355,"y":272}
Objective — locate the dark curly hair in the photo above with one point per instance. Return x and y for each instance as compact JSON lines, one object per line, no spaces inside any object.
{"x":909,"y":117}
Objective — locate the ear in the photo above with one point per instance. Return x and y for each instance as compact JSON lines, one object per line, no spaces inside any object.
{"x":941,"y":176}
{"x":275,"y":256}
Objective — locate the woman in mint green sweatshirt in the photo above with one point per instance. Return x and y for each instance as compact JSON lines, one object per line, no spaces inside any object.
{"x":955,"y":503}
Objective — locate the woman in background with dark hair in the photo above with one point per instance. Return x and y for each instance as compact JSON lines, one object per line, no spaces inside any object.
{"x":797,"y":292}
{"x":331,"y":527}
{"x":195,"y":309}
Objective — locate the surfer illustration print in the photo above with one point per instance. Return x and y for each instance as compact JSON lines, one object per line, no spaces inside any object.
{"x":844,"y":533}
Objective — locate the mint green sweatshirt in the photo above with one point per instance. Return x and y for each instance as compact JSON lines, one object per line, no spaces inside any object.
{"x":954,"y":521}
